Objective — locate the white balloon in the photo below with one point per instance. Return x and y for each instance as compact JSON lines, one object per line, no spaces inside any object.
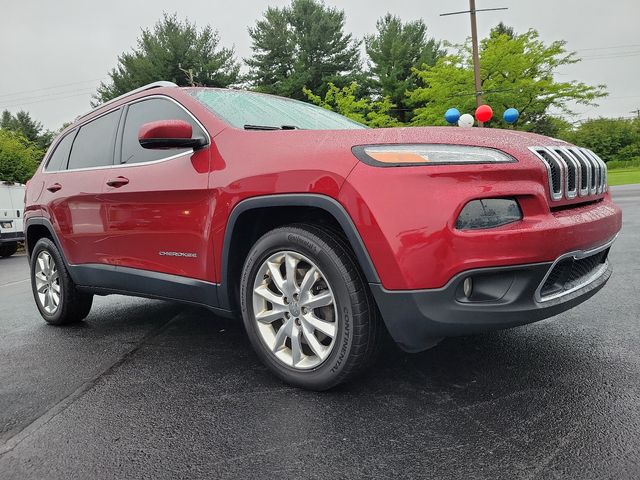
{"x":465,"y":120}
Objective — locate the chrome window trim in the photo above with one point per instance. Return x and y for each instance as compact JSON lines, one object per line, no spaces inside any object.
{"x":576,"y":255}
{"x":139,"y":164}
{"x":149,"y":86}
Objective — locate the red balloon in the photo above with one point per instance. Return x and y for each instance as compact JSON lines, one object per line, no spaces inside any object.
{"x":484,"y":113}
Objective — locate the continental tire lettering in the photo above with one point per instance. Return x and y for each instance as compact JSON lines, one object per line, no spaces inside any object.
{"x":292,"y":237}
{"x":345,"y":343}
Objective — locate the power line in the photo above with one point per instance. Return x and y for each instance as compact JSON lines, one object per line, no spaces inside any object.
{"x":47,"y":88}
{"x":45,"y":100}
{"x":609,"y":48}
{"x":607,"y":57}
{"x":18,"y":101}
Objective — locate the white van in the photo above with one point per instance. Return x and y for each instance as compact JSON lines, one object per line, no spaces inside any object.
{"x":11,"y":213}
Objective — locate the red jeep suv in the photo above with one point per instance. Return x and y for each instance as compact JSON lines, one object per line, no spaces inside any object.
{"x":317,"y":230}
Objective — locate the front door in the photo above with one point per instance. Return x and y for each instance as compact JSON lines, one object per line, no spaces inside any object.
{"x":157,"y":204}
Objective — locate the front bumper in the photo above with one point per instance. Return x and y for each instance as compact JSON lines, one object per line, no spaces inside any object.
{"x":10,"y":237}
{"x":504,"y":297}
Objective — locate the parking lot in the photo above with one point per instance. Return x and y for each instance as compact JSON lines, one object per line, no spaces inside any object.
{"x":147,"y":389}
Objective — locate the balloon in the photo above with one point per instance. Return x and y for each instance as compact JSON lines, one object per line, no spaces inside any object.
{"x":511,"y":115}
{"x":484,"y":113}
{"x":452,"y":115}
{"x":465,"y":120}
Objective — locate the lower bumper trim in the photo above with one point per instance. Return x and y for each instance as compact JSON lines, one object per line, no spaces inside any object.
{"x":418,"y":319}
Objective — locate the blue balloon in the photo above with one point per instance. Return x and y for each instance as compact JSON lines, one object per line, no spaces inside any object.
{"x":452,"y":115}
{"x":511,"y":115}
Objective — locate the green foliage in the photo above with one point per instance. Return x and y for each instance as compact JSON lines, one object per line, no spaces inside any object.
{"x":374,"y":113}
{"x":167,"y":53}
{"x":19,"y":157}
{"x":502,"y":29}
{"x":515,"y":71}
{"x":634,"y":163}
{"x":624,"y":177}
{"x":611,"y":139}
{"x":301,"y":45}
{"x":23,"y":124}
{"x":394,"y":51}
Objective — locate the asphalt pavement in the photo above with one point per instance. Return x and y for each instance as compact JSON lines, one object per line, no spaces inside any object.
{"x":148,"y":389}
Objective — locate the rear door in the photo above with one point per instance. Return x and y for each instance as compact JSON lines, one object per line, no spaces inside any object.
{"x":16,"y":192}
{"x":74,"y":179}
{"x":7,"y":213}
{"x":157,"y":203}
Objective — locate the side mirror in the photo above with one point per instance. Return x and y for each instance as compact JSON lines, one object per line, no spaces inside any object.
{"x":165,"y":134}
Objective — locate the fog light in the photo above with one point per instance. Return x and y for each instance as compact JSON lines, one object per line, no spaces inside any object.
{"x":488,"y":213}
{"x":467,"y":287}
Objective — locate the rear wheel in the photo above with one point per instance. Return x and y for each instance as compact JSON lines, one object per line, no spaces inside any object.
{"x":8,"y":249}
{"x":307,"y":308}
{"x":56,"y":296}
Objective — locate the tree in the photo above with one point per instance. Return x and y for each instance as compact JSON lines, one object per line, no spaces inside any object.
{"x":502,"y":29}
{"x":345,"y":101}
{"x":19,"y":157}
{"x":515,"y":72}
{"x":173,"y":50}
{"x":611,"y":139}
{"x":301,"y":45}
{"x":23,"y":124}
{"x":394,"y":51}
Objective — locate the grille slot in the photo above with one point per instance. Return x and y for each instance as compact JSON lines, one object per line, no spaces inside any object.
{"x":585,"y":172}
{"x":571,"y":273}
{"x":554,"y":170}
{"x":572,"y":171}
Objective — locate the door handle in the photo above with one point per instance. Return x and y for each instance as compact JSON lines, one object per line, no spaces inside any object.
{"x":117,"y":182}
{"x":54,"y":188}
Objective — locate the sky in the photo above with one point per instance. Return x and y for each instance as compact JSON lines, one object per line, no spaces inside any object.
{"x":53,"y":54}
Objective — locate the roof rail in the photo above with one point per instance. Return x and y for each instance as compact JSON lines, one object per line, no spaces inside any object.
{"x":149,"y":86}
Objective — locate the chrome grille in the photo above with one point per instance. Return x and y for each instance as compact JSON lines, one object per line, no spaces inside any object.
{"x":572,"y":171}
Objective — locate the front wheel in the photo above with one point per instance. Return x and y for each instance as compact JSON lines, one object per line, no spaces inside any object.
{"x":56,"y":296}
{"x":307,"y":308}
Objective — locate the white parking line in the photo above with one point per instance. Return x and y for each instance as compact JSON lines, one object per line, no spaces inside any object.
{"x":14,"y":283}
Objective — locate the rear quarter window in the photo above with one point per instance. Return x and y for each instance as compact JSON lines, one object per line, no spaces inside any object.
{"x":60,"y":156}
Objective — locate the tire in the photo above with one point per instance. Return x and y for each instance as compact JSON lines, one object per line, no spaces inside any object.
{"x":49,"y":273}
{"x":8,"y":249}
{"x":326,"y":271}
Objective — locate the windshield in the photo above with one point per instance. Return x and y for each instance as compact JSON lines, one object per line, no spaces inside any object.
{"x":252,"y":110}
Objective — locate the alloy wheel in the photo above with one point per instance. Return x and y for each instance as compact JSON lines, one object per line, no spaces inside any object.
{"x":47,"y":282}
{"x":295,"y":310}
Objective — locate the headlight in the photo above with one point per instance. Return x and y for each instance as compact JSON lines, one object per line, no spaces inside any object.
{"x":5,"y":224}
{"x":433,"y":154}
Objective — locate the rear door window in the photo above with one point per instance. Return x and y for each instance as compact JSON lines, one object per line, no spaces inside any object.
{"x":151,"y":110}
{"x":94,"y":144}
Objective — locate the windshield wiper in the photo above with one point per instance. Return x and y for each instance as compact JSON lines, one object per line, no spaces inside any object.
{"x":270,"y":127}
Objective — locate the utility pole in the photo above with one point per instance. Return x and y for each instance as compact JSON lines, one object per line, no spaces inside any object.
{"x":474,"y":45}
{"x":637,"y":112}
{"x":476,"y":53}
